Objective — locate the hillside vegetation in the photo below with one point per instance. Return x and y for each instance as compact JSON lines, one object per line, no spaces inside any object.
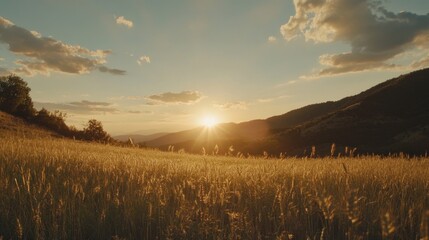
{"x":52,"y":188}
{"x":15,"y":100}
{"x":390,"y":117}
{"x":15,"y":127}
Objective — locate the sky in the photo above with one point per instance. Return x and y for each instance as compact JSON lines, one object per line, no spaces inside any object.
{"x":163,"y":66}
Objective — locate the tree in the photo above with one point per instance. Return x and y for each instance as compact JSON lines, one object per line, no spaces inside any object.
{"x":94,"y":131}
{"x":15,"y":97}
{"x":52,"y":120}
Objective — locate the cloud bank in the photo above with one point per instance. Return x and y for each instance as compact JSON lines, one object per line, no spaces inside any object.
{"x":376,"y":36}
{"x":185,"y":97}
{"x":45,"y":54}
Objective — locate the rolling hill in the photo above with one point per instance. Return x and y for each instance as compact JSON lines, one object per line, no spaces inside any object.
{"x":390,"y":117}
{"x":138,"y":138}
{"x":15,"y":126}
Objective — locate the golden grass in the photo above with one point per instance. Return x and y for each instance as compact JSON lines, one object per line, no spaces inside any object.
{"x":64,"y":189}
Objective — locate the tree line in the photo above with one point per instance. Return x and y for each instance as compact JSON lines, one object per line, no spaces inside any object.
{"x":15,"y":99}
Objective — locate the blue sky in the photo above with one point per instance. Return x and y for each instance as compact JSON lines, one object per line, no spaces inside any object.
{"x":151,"y":66}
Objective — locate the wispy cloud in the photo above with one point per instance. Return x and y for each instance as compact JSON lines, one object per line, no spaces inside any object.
{"x":239,"y":105}
{"x":185,"y":97}
{"x":422,"y":63}
{"x":376,"y":35}
{"x":120,"y":98}
{"x":272,"y":39}
{"x":45,"y":54}
{"x":82,"y":107}
{"x":143,"y":59}
{"x":134,"y":112}
{"x":121,"y":20}
{"x":139,"y":112}
{"x":111,"y":70}
{"x":290,"y":82}
{"x":267,"y":100}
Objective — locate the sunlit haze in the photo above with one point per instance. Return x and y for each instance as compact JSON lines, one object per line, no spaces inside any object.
{"x":209,"y":121}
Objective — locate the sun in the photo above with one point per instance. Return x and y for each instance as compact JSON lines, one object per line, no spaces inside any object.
{"x":209,"y":121}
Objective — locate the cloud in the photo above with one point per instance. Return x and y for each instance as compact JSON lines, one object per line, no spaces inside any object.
{"x":82,"y":107}
{"x":376,"y":36}
{"x":422,"y":63}
{"x":185,"y":97}
{"x":134,"y":112}
{"x":139,"y":112}
{"x":272,"y":39}
{"x":122,"y":21}
{"x":121,"y":98}
{"x":45,"y":54}
{"x":111,"y":70}
{"x":231,"y":105}
{"x":267,"y":100}
{"x":143,"y":59}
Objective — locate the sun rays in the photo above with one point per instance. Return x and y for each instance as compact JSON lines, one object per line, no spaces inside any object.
{"x":209,"y":121}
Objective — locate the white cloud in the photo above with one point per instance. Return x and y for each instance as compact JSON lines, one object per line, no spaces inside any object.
{"x":376,"y":35}
{"x":121,"y":20}
{"x":36,"y":34}
{"x":44,"y":55}
{"x":143,"y":59}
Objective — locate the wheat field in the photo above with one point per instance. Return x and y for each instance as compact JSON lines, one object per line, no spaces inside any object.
{"x":64,"y":189}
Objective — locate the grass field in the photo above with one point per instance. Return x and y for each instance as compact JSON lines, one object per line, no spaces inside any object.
{"x":63,"y":189}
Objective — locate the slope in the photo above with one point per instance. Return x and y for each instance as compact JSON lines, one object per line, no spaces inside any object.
{"x":139,"y":138}
{"x":15,"y":126}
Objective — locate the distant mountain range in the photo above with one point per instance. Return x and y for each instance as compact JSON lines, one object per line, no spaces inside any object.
{"x":391,"y":117}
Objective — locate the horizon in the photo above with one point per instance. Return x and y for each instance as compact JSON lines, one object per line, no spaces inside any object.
{"x":147,"y":67}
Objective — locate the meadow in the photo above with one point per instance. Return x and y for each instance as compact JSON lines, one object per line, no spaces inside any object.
{"x":54,"y":188}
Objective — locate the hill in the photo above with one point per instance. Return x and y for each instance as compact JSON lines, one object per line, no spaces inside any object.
{"x":15,"y":126}
{"x":139,"y":138}
{"x":390,"y":117}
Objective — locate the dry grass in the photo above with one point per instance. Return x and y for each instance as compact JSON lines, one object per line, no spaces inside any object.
{"x":62,"y":189}
{"x":14,"y":127}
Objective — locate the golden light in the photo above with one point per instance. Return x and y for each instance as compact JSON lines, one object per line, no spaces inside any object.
{"x":209,"y":121}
